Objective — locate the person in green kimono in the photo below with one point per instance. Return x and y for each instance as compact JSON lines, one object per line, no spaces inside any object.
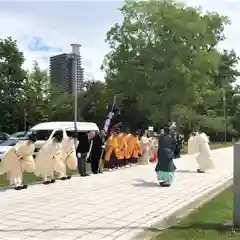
{"x":165,"y":167}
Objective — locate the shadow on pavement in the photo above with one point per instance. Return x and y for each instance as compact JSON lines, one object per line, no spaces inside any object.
{"x":186,"y":171}
{"x":143,"y":183}
{"x":7,"y":188}
{"x":77,"y":229}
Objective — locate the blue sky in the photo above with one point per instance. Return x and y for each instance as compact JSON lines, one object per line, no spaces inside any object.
{"x":45,"y":28}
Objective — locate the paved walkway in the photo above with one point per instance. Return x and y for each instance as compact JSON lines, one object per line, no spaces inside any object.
{"x":115,"y":205}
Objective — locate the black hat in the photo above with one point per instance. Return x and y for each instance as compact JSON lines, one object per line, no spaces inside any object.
{"x":72,"y":134}
{"x":32,"y":137}
{"x":58,"y":136}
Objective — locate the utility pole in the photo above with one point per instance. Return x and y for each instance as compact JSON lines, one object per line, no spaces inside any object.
{"x":236,"y":177}
{"x":225,"y":115}
{"x":25,"y":120}
{"x":76,"y":60}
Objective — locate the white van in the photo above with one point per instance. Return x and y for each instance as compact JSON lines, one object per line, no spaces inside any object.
{"x":46,"y":130}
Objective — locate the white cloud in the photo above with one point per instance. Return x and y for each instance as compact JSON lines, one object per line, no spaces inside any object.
{"x":59,"y":24}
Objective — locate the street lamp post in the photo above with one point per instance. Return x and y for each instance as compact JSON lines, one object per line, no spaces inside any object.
{"x":25,"y":120}
{"x":76,"y":56}
{"x":236,"y":177}
{"x":225,"y":116}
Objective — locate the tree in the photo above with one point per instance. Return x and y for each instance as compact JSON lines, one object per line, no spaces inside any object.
{"x":59,"y":105}
{"x":94,"y":101}
{"x":34,"y":97}
{"x":41,"y":101}
{"x":163,"y":54}
{"x":12,"y":76}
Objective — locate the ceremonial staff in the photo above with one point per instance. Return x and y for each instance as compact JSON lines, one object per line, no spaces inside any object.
{"x":106,"y":128}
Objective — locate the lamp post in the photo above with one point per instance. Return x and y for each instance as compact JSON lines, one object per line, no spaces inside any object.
{"x":224,"y":115}
{"x":76,"y":58}
{"x":236,"y":177}
{"x":25,"y":120}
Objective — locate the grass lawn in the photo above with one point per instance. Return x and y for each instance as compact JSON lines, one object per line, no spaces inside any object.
{"x":30,"y":177}
{"x":206,"y":223}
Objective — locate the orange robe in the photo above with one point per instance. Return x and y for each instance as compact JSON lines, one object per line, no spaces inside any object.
{"x":111,"y":147}
{"x":121,"y":139}
{"x":136,"y":149}
{"x":130,"y":145}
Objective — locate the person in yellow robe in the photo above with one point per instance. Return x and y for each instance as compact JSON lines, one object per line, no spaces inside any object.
{"x":111,"y":151}
{"x":68,"y":155}
{"x":136,"y":149}
{"x":49,"y":159}
{"x":19,"y":159}
{"x":131,"y":140}
{"x":120,"y":154}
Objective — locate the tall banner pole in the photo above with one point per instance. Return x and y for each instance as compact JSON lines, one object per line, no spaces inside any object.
{"x":106,"y":128}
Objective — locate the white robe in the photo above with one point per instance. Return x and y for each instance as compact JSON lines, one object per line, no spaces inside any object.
{"x":49,"y":159}
{"x":145,"y":149}
{"x":17,"y":160}
{"x":204,"y":158}
{"x":69,"y":154}
{"x":193,"y":145}
{"x":153,"y":143}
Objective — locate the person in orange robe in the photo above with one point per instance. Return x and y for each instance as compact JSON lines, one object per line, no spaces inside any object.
{"x":131,"y":139}
{"x":126,"y":152}
{"x":120,"y":154}
{"x":111,"y":151}
{"x":136,"y":149}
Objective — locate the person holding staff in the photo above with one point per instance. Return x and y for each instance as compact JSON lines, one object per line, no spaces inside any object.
{"x":83,"y":153}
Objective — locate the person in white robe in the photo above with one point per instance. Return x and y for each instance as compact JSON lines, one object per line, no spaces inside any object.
{"x":19,"y":159}
{"x":204,"y":158}
{"x":145,"y":149}
{"x":68,"y":156}
{"x":49,"y":159}
{"x":193,"y":144}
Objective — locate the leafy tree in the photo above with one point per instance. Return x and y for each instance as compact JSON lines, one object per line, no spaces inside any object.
{"x":34,"y":97}
{"x":59,"y":105}
{"x":41,"y":101}
{"x":12,"y":76}
{"x":163,"y":54}
{"x":94,"y":101}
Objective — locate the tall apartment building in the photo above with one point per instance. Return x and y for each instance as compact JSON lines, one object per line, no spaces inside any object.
{"x":64,"y":73}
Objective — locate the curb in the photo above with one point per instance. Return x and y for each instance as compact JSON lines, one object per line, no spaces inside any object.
{"x":175,"y":217}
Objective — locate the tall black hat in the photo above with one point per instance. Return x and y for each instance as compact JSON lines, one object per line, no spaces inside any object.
{"x":32,"y":137}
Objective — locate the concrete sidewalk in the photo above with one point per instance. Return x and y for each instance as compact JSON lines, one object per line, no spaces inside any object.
{"x":114,"y":205}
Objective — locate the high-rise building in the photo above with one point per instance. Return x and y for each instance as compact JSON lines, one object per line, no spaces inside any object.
{"x":64,"y":73}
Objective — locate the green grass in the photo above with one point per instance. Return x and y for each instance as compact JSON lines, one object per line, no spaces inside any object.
{"x":212,"y":145}
{"x":206,"y":223}
{"x":30,"y":177}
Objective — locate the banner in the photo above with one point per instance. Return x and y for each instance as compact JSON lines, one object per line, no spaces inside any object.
{"x":109,"y":118}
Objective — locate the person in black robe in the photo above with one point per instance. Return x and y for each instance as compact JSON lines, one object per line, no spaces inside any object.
{"x":96,"y":153}
{"x":179,"y":144}
{"x":83,"y":151}
{"x":165,"y":167}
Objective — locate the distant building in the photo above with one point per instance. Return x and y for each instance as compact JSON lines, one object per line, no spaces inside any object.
{"x":63,"y":72}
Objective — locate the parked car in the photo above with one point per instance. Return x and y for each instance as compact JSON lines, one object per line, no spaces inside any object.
{"x":18,"y":135}
{"x":46,"y":130}
{"x":7,"y":144}
{"x":4,"y":136}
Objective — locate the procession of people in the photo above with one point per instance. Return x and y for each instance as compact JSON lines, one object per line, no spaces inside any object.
{"x":122,"y":148}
